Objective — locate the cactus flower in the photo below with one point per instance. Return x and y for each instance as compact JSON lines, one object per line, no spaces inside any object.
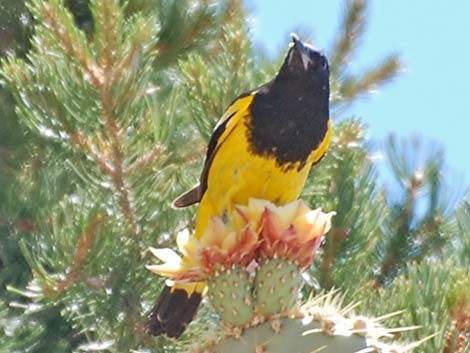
{"x":249,"y":234}
{"x":293,"y":232}
{"x":221,"y":246}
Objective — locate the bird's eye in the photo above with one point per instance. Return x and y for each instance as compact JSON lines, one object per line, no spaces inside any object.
{"x":324,"y":63}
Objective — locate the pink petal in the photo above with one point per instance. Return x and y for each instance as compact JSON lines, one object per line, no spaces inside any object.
{"x":269,"y":227}
{"x":248,"y":241}
{"x":242,"y":212}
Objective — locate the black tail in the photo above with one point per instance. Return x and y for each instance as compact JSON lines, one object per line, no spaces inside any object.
{"x":173,"y":311}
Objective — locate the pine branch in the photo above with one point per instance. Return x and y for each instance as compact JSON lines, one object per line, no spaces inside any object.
{"x":351,"y":30}
{"x":84,"y":244}
{"x":462,"y":246}
{"x":184,"y":25}
{"x":331,"y":249}
{"x":108,"y":32}
{"x":71,"y":40}
{"x":102,"y":79}
{"x":412,"y":236}
{"x":399,"y":246}
{"x":457,"y":338}
{"x":353,"y":193}
{"x":90,"y":149}
{"x":113,"y":132}
{"x":352,"y":87}
{"x":345,"y":86}
{"x":146,"y":159}
{"x":214,"y":79}
{"x":427,"y":294}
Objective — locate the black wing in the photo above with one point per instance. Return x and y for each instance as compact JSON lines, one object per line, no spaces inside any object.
{"x":195,"y":194}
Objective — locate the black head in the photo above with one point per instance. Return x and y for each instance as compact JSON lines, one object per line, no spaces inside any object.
{"x":302,"y":83}
{"x":306,"y":64}
{"x":290,"y":113}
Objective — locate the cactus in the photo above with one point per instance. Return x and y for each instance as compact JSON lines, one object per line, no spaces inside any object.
{"x":288,"y":336}
{"x":319,"y":325}
{"x":252,"y":261}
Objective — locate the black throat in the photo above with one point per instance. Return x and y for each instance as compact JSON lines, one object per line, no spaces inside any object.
{"x":289,"y":118}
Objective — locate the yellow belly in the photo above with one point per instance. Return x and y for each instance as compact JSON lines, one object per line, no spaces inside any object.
{"x":236,"y":175}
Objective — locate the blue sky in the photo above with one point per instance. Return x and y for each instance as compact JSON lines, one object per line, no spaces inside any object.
{"x":432,"y":95}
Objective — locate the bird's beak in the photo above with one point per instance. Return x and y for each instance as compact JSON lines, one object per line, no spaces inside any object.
{"x":302,"y":50}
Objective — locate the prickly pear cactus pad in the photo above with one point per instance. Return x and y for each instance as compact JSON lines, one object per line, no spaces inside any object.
{"x":230,"y":296}
{"x":276,"y":287}
{"x":320,"y":326}
{"x":293,"y":336}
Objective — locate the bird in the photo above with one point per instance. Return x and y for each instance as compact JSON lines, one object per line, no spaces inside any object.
{"x":263,"y":147}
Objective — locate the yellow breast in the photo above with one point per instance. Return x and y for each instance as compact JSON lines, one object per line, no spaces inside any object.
{"x":236,"y":175}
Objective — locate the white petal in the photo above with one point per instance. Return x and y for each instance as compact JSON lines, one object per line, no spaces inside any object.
{"x":166,"y":270}
{"x":166,"y":255}
{"x":312,"y":216}
{"x":182,"y":238}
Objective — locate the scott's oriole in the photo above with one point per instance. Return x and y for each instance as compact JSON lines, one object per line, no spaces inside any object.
{"x":263,"y":147}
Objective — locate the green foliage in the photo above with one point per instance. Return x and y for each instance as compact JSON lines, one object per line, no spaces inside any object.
{"x":214,"y":79}
{"x":346,"y":87}
{"x":106,"y":108}
{"x":103,"y":105}
{"x":461,"y":245}
{"x":432,"y":295}
{"x":419,"y":220}
{"x":354,"y":194}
